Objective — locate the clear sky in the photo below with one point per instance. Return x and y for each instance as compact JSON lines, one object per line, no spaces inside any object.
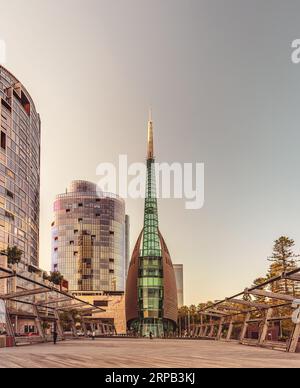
{"x":219,"y":77}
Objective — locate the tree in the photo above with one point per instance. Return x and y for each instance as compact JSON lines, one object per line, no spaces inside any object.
{"x":46,"y":276}
{"x":283,"y":260}
{"x":193,"y":314}
{"x":14,"y":255}
{"x":258,"y":282}
{"x":46,"y":325}
{"x":182,"y":317}
{"x":56,"y":278}
{"x":66,"y":318}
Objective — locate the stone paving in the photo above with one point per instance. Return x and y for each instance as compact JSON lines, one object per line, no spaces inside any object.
{"x":135,"y":353}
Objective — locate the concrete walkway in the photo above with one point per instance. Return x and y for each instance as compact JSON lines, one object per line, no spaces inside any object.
{"x":134,"y":353}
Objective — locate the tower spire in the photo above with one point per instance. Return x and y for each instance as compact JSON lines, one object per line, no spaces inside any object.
{"x":151,"y":297}
{"x":150,"y":155}
{"x":151,"y":242}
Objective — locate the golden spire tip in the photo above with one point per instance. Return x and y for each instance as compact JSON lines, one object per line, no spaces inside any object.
{"x":150,"y":137}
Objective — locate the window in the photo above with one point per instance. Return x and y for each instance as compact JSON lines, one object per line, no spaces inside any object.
{"x":87,"y":277}
{"x":68,"y":210}
{"x":28,"y":329}
{"x":9,"y":215}
{"x":9,"y":194}
{"x":3,"y":140}
{"x":100,"y":303}
{"x":80,"y":205}
{"x":10,"y":174}
{"x":148,"y":282}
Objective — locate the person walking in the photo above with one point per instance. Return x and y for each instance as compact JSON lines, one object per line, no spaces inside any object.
{"x":151,"y":335}
{"x":93,"y":335}
{"x":55,"y":334}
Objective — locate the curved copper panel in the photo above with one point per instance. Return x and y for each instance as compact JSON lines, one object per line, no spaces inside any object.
{"x":170,"y":288}
{"x":132,"y":283}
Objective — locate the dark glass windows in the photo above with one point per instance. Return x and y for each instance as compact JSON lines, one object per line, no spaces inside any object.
{"x":3,"y":140}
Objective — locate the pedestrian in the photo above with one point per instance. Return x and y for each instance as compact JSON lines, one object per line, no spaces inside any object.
{"x":151,"y":335}
{"x":54,"y":334}
{"x":93,"y":335}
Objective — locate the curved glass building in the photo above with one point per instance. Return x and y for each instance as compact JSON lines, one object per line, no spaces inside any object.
{"x":88,"y":239}
{"x":151,"y":293}
{"x":19,"y":169}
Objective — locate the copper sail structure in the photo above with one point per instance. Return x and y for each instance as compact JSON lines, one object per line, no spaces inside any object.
{"x":151,"y":294}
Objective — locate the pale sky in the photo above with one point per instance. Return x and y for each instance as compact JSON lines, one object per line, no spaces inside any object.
{"x":219,"y":77}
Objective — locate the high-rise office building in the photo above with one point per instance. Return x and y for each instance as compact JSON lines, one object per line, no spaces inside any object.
{"x":178,"y":268}
{"x":89,"y":239}
{"x":19,"y":169}
{"x":151,"y":293}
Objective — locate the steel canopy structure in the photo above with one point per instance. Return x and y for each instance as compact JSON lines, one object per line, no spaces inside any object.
{"x":220,"y":320}
{"x":45,"y":303}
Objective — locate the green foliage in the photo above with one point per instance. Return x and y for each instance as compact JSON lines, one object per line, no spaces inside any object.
{"x":190,"y":315}
{"x":14,"y":255}
{"x":67,"y":316}
{"x":46,"y":325}
{"x":56,"y":278}
{"x":258,"y":282}
{"x":283,"y":260}
{"x":283,"y":252}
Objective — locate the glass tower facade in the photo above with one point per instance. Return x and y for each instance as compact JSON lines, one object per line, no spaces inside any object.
{"x":151,"y":268}
{"x":19,"y":170}
{"x":89,"y":239}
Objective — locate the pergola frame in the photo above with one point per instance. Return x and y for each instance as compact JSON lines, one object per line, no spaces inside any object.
{"x":224,"y":317}
{"x":52,"y":301}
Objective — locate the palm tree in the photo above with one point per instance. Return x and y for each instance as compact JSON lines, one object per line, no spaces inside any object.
{"x":46,"y":276}
{"x":56,"y":278}
{"x":13,"y":254}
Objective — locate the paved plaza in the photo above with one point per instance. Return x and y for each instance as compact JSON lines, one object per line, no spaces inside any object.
{"x":135,"y":353}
